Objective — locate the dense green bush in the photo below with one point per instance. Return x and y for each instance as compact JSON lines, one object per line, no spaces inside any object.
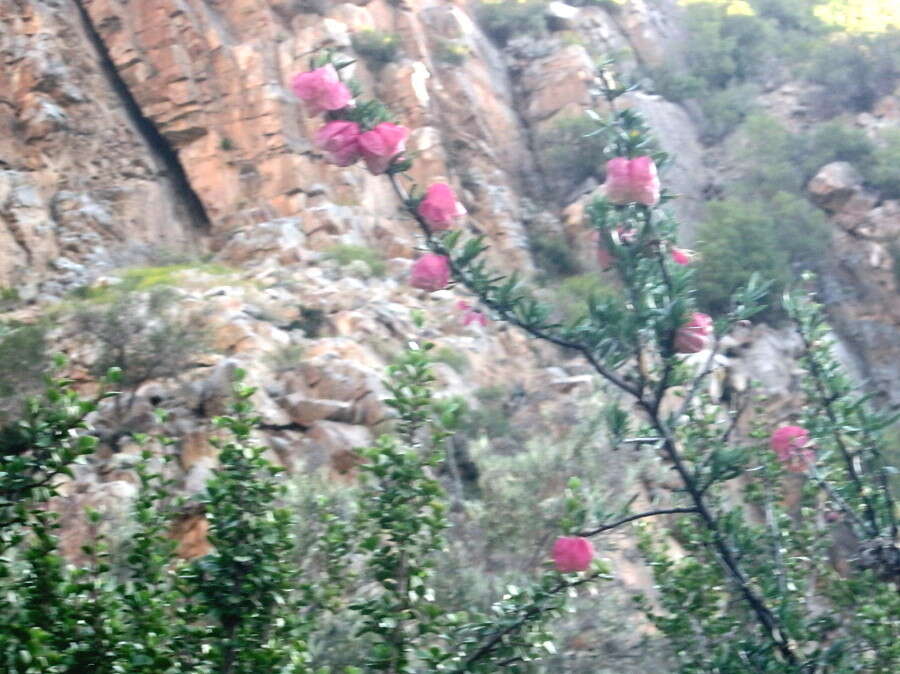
{"x":568,"y":155}
{"x":776,"y":240}
{"x":376,"y":48}
{"x":855,"y":70}
{"x":883,"y":172}
{"x":23,"y":359}
{"x":506,"y":19}
{"x":553,"y":254}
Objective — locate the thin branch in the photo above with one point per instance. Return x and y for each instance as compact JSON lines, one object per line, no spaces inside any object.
{"x":509,"y":317}
{"x":632,"y":518}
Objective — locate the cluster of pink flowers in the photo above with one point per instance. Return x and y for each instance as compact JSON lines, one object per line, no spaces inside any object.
{"x":632,"y":181}
{"x":342,"y":140}
{"x":695,"y":335}
{"x":572,"y":553}
{"x":344,"y":143}
{"x":794,"y":448}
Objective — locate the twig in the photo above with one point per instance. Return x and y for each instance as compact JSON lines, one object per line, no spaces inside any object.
{"x":632,"y":518}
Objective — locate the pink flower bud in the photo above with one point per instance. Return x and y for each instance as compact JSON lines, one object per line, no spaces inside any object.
{"x":430,"y":272}
{"x":321,"y":90}
{"x":630,"y":180}
{"x":339,"y":140}
{"x":572,"y":553}
{"x":682,"y":256}
{"x":695,"y":335}
{"x":439,"y":208}
{"x":470,"y":314}
{"x":380,"y":145}
{"x":793,"y":447}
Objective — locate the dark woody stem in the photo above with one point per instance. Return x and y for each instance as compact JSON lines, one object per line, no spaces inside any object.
{"x":723,"y":551}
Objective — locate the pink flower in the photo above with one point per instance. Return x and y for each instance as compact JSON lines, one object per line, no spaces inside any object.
{"x":682,"y":256}
{"x":471,"y":315}
{"x":430,"y":272}
{"x":630,"y":180}
{"x":439,"y":208}
{"x":380,"y":145}
{"x":572,"y":553}
{"x":321,"y":90}
{"x":339,"y":140}
{"x":695,"y":335}
{"x":793,"y":447}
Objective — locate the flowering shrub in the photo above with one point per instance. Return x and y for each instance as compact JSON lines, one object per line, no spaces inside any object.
{"x":734,"y":577}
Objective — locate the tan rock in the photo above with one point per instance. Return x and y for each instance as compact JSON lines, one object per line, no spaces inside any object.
{"x":834,"y":185}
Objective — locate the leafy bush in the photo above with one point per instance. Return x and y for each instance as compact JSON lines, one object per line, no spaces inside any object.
{"x":376,"y":48}
{"x":23,"y":359}
{"x":505,"y":19}
{"x":568,"y":155}
{"x":344,"y":254}
{"x":141,"y":334}
{"x":736,"y":241}
{"x":450,"y":52}
{"x":571,"y":295}
{"x":725,"y":109}
{"x":855,"y":70}
{"x":883,"y":172}
{"x":553,"y":255}
{"x":456,"y":359}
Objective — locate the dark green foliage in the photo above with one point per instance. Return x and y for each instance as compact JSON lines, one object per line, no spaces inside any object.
{"x":450,"y":52}
{"x":23,"y":359}
{"x":568,"y":155}
{"x":883,"y":172}
{"x":247,"y":582}
{"x":741,"y":238}
{"x":376,"y":48}
{"x":553,"y":255}
{"x":725,"y":109}
{"x":854,"y":71}
{"x":506,"y":19}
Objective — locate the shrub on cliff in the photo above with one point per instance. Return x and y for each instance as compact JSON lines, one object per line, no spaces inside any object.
{"x":506,"y":19}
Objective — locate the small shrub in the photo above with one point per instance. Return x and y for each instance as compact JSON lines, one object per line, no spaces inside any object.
{"x":855,"y":70}
{"x":553,"y":255}
{"x":311,"y":321}
{"x":457,"y":360}
{"x":141,"y":334}
{"x":834,"y":141}
{"x":506,"y":19}
{"x":568,"y":155}
{"x":571,"y":295}
{"x":738,"y":240}
{"x":883,"y":172}
{"x":23,"y":359}
{"x":376,"y":48}
{"x":286,"y":357}
{"x":450,"y":52}
{"x":725,"y":109}
{"x":344,"y":254}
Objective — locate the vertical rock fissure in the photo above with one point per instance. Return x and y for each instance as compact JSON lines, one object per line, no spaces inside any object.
{"x":160,"y":147}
